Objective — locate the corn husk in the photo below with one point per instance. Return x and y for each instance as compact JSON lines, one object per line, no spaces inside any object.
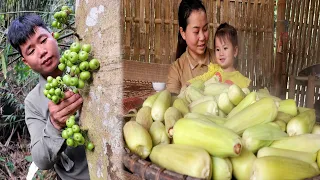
{"x":304,"y":142}
{"x":302,"y":123}
{"x":277,"y":167}
{"x":265,"y":95}
{"x":158,"y":133}
{"x":248,"y":100}
{"x":171,"y":116}
{"x":318,"y":158}
{"x":215,"y":119}
{"x":215,"y":89}
{"x":302,"y":156}
{"x":198,"y":84}
{"x":283,"y":117}
{"x":288,"y":106}
{"x":212,"y":80}
{"x":200,"y":133}
{"x":144,"y":117}
{"x":150,"y":100}
{"x":242,"y":165}
{"x":221,"y":168}
{"x":235,"y":94}
{"x":222,"y":114}
{"x":302,"y":109}
{"x":207,"y":107}
{"x":161,"y":104}
{"x":201,"y":100}
{"x":246,"y":91}
{"x":193,"y":94}
{"x":137,"y":139}
{"x":282,"y":125}
{"x":224,"y":103}
{"x":183,"y":159}
{"x":316,"y":129}
{"x":181,"y":105}
{"x":262,"y":111}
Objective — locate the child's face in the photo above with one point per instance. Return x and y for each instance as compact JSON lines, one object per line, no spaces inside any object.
{"x":41,"y":53}
{"x":196,"y":34}
{"x":225,"y":53}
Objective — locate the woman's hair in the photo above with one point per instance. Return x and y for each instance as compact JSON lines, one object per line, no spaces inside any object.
{"x":185,"y":9}
{"x":226,"y":31}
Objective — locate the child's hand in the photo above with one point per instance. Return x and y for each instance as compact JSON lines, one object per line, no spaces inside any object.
{"x":59,"y":113}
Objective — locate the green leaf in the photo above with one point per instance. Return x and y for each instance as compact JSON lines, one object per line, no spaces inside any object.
{"x":28,"y":158}
{"x":2,"y":159}
{"x":10,"y":166}
{"x":4,"y":66}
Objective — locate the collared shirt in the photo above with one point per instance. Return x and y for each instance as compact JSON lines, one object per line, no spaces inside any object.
{"x":186,"y":68}
{"x":48,"y":148}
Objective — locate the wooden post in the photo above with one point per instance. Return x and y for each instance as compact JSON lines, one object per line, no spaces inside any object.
{"x":99,"y":24}
{"x":279,"y":84}
{"x":292,"y":87}
{"x":310,"y":92}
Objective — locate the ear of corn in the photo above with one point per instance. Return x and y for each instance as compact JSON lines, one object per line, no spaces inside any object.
{"x":235,"y":94}
{"x":222,"y":114}
{"x":198,"y":84}
{"x":150,"y":100}
{"x":200,"y":133}
{"x":212,"y":80}
{"x":216,"y":89}
{"x":161,"y":104}
{"x":242,"y":165}
{"x":207,"y":107}
{"x":181,"y":105}
{"x":302,"y":156}
{"x":158,"y":133}
{"x":302,"y":109}
{"x":302,"y":123}
{"x":144,"y":117}
{"x":201,"y":100}
{"x":248,"y":100}
{"x":215,"y":119}
{"x":171,"y":116}
{"x":137,"y":139}
{"x":264,"y":91}
{"x":224,"y":103}
{"x":183,"y":159}
{"x":221,"y":168}
{"x":277,"y":167}
{"x":316,"y":129}
{"x":246,"y":90}
{"x":262,"y":111}
{"x":282,"y":125}
{"x":173,"y":99}
{"x":264,"y":95}
{"x":288,"y":106}
{"x":260,"y":136}
{"x":318,"y":158}
{"x":193,"y":94}
{"x":305,"y":143}
{"x":284,"y":117}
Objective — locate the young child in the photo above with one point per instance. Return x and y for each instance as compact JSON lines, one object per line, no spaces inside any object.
{"x":226,"y":50}
{"x":45,"y":120}
{"x":193,"y":55}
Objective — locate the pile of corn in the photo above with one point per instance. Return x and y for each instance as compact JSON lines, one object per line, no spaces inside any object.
{"x":219,"y":131}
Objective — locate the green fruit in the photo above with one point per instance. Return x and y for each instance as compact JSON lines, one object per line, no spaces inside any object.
{"x":49,"y":79}
{"x":74,"y":81}
{"x":76,"y":91}
{"x":83,"y":56}
{"x":54,"y":24}
{"x":56,"y":35}
{"x":69,"y":132}
{"x":59,"y":25}
{"x":73,"y":57}
{"x":66,"y":54}
{"x":58,"y":78}
{"x":81,"y":84}
{"x":94,"y":64}
{"x":57,"y":92}
{"x":90,"y":146}
{"x":75,"y":47}
{"x":70,"y":142}
{"x":54,"y":83}
{"x":86,"y":48}
{"x":63,"y":14}
{"x":77,"y":136}
{"x":64,"y":134}
{"x":84,"y":66}
{"x":48,"y":96}
{"x":85,"y":75}
{"x":82,"y":141}
{"x":75,"y":69}
{"x":66,"y":79}
{"x":45,"y":92}
{"x":69,"y":64}
{"x":57,"y":15}
{"x":70,"y":122}
{"x":51,"y":92}
{"x":62,"y":60}
{"x":48,"y":86}
{"x":75,"y":128}
{"x":65,"y":8}
{"x":62,"y":95}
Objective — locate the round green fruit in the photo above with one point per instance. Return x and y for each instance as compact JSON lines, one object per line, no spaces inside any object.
{"x":73,"y":57}
{"x":85,"y":75}
{"x":54,"y":24}
{"x":57,"y":92}
{"x":74,"y":81}
{"x":90,"y":146}
{"x":56,"y":35}
{"x":83,"y":56}
{"x":84,"y":66}
{"x":64,"y":134}
{"x":45,"y":92}
{"x":75,"y":47}
{"x":86,"y":48}
{"x":70,"y":142}
{"x":77,"y":136}
{"x":70,"y":122}
{"x":69,"y":132}
{"x":75,"y":128}
{"x":54,"y":83}
{"x":51,"y":92}
{"x":81,"y":84}
{"x":94,"y":64}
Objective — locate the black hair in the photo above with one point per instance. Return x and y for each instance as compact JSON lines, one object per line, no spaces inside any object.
{"x":185,"y":9}
{"x":22,"y":28}
{"x":225,"y":30}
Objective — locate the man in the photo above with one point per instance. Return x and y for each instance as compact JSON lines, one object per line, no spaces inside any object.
{"x":45,"y":120}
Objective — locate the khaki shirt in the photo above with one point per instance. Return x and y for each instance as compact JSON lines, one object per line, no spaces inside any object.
{"x":186,"y":68}
{"x":48,"y":148}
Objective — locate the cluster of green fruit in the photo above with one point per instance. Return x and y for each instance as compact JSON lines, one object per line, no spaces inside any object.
{"x":61,"y":17}
{"x":54,"y":89}
{"x":73,"y":135}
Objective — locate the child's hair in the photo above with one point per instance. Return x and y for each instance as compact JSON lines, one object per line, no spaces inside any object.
{"x":185,"y":9}
{"x":226,"y":31}
{"x":22,"y":28}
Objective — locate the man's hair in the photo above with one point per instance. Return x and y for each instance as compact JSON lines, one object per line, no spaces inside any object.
{"x":22,"y":28}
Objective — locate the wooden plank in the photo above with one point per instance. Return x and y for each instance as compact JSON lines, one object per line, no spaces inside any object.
{"x":128,"y":26}
{"x":158,"y":32}
{"x":302,"y":38}
{"x":152,"y":72}
{"x":310,"y":92}
{"x":152,"y":31}
{"x":148,"y":27}
{"x":136,"y":40}
{"x":317,"y":56}
{"x":314,"y":33}
{"x":142,"y":32}
{"x":218,"y":12}
{"x":309,"y":35}
{"x":298,"y":34}
{"x":166,"y":48}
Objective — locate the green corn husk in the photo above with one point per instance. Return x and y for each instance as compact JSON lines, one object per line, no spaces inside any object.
{"x":215,"y":119}
{"x":302,"y":123}
{"x":262,"y":111}
{"x":183,"y":159}
{"x":173,"y":99}
{"x":150,"y":100}
{"x":246,"y":91}
{"x":201,"y":100}
{"x":274,"y":125}
{"x":181,"y":105}
{"x":316,"y":129}
{"x":193,"y":94}
{"x":248,"y":100}
{"x":302,"y":109}
{"x":302,"y":156}
{"x":304,"y":142}
{"x":171,"y":116}
{"x":158,"y":133}
{"x":222,"y":114}
{"x":242,"y":165}
{"x":318,"y":158}
{"x":199,"y":84}
{"x":288,"y":106}
{"x":277,"y":167}
{"x":224,"y":103}
{"x":213,"y":80}
{"x":284,"y":117}
{"x":207,"y":107}
{"x":161,"y":104}
{"x":144,"y":117}
{"x":264,"y":91}
{"x":200,"y":133}
{"x":261,"y":135}
{"x":282,"y":125}
{"x":221,"y":168}
{"x":264,"y":95}
{"x":235,"y":94}
{"x":137,"y":139}
{"x":215,"y":89}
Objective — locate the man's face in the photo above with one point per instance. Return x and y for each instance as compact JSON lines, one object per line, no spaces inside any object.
{"x":41,"y":53}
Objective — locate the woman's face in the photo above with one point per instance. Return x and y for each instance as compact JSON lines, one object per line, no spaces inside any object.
{"x":196,"y":34}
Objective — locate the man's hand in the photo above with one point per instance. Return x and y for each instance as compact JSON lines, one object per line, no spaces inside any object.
{"x":59,"y":113}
